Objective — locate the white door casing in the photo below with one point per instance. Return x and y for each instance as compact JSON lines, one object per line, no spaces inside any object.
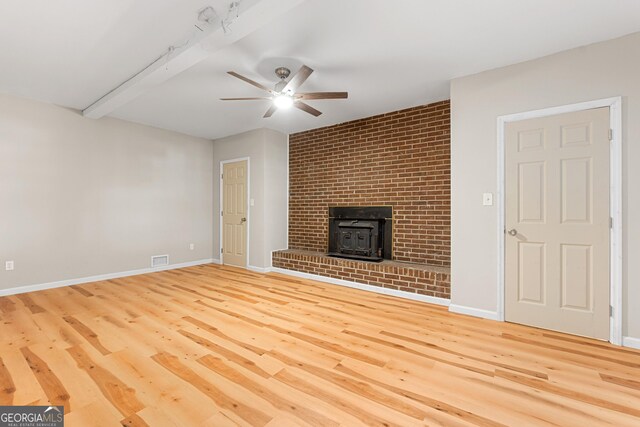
{"x":557,"y":218}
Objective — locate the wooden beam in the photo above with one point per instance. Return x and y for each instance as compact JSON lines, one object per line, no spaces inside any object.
{"x":211,"y":39}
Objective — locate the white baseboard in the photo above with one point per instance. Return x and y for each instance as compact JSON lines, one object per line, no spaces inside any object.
{"x":70,"y":282}
{"x":631,"y":342}
{"x":216,"y":261}
{"x":258,"y":269}
{"x":370,"y":288}
{"x":476,"y":312}
{"x":492,"y":315}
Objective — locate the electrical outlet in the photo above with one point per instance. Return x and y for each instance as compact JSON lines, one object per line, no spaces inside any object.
{"x":191,"y":246}
{"x":487,"y":199}
{"x":8,"y":265}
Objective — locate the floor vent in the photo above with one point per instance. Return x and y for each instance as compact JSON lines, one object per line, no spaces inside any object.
{"x":159,"y":260}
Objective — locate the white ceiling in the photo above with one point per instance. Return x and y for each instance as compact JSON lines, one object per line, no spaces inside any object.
{"x":387,"y":54}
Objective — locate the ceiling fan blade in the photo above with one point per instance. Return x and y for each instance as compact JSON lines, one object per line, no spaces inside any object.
{"x":251,"y":82}
{"x":270,"y":111}
{"x":243,"y":99}
{"x":322,"y":95}
{"x":296,"y":81}
{"x":307,"y":108}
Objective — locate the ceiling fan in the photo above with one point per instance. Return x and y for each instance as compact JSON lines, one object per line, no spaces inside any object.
{"x":284,"y":94}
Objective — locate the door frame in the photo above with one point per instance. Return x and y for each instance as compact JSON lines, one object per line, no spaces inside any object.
{"x":615,"y":202}
{"x":221,"y":204}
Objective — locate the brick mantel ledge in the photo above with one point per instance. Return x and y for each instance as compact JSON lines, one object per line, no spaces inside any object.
{"x":421,"y":279}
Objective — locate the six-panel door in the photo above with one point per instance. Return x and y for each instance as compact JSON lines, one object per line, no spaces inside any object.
{"x":234,"y":218}
{"x":557,"y":222}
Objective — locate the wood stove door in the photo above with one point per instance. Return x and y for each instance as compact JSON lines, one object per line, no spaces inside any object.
{"x":355,"y":241}
{"x":363,"y":242}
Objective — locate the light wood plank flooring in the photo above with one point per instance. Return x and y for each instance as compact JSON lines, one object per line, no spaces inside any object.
{"x":217,"y":346}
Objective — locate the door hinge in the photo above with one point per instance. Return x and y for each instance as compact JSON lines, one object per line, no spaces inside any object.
{"x":221,"y":176}
{"x":221,"y":250}
{"x":611,"y":222}
{"x":221,"y":213}
{"x":610,"y":134}
{"x":610,"y":311}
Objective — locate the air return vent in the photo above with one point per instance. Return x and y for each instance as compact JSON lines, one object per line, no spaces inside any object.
{"x":159,"y":260}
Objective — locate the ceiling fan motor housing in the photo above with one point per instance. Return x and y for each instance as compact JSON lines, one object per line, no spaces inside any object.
{"x":283,"y":72}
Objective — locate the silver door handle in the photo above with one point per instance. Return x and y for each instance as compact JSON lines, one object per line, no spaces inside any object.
{"x":512,"y":232}
{"x":243,"y":220}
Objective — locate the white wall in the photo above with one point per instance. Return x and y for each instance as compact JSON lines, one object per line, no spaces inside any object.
{"x":268,"y":153}
{"x":276,"y":181}
{"x":82,"y":197}
{"x":598,"y":71}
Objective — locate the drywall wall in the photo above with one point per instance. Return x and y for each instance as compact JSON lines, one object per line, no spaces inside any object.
{"x":276,"y":180}
{"x":593,"y":72}
{"x":267,"y":151}
{"x":82,"y":197}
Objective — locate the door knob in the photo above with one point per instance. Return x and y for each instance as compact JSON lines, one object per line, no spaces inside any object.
{"x":512,"y":232}
{"x":243,"y":220}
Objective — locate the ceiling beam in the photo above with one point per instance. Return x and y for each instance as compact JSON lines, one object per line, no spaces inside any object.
{"x":212,"y":38}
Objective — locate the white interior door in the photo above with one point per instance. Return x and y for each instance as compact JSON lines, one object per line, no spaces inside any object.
{"x":234,"y":214}
{"x":557,"y":222}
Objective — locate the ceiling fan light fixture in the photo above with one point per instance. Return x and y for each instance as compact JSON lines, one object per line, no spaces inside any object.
{"x":283,"y":101}
{"x":285,"y":94}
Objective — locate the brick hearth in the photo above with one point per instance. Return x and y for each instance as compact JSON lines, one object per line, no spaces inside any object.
{"x":421,"y":279}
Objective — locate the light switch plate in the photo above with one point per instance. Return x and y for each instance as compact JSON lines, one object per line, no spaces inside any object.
{"x":8,"y":265}
{"x":487,"y":199}
{"x":251,"y":202}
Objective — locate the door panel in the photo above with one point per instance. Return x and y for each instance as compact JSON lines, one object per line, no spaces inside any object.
{"x":576,"y":135}
{"x":234,"y":218}
{"x":557,"y":209}
{"x":531,"y":272}
{"x":531,"y":195}
{"x":577,"y":277}
{"x":531,"y":140}
{"x":576,"y":190}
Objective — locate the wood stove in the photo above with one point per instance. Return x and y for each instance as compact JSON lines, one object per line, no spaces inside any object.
{"x":361,"y":232}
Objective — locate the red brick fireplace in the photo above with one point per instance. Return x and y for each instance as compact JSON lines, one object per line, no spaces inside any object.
{"x":399,"y":159}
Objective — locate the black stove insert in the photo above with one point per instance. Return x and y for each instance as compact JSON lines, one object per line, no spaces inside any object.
{"x":361,"y":232}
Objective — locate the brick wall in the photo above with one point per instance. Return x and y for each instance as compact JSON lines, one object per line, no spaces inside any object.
{"x":400,"y":159}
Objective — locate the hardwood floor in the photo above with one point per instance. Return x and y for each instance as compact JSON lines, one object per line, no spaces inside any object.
{"x":217,"y":346}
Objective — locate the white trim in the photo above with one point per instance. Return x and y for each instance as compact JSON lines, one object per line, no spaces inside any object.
{"x":615,"y":122}
{"x":258,"y":269}
{"x":501,"y":227}
{"x":615,"y":192}
{"x":222,"y":163}
{"x":476,"y":312}
{"x":216,"y":261}
{"x":631,"y":342}
{"x":287,"y":227}
{"x":370,"y":288}
{"x":101,"y":277}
